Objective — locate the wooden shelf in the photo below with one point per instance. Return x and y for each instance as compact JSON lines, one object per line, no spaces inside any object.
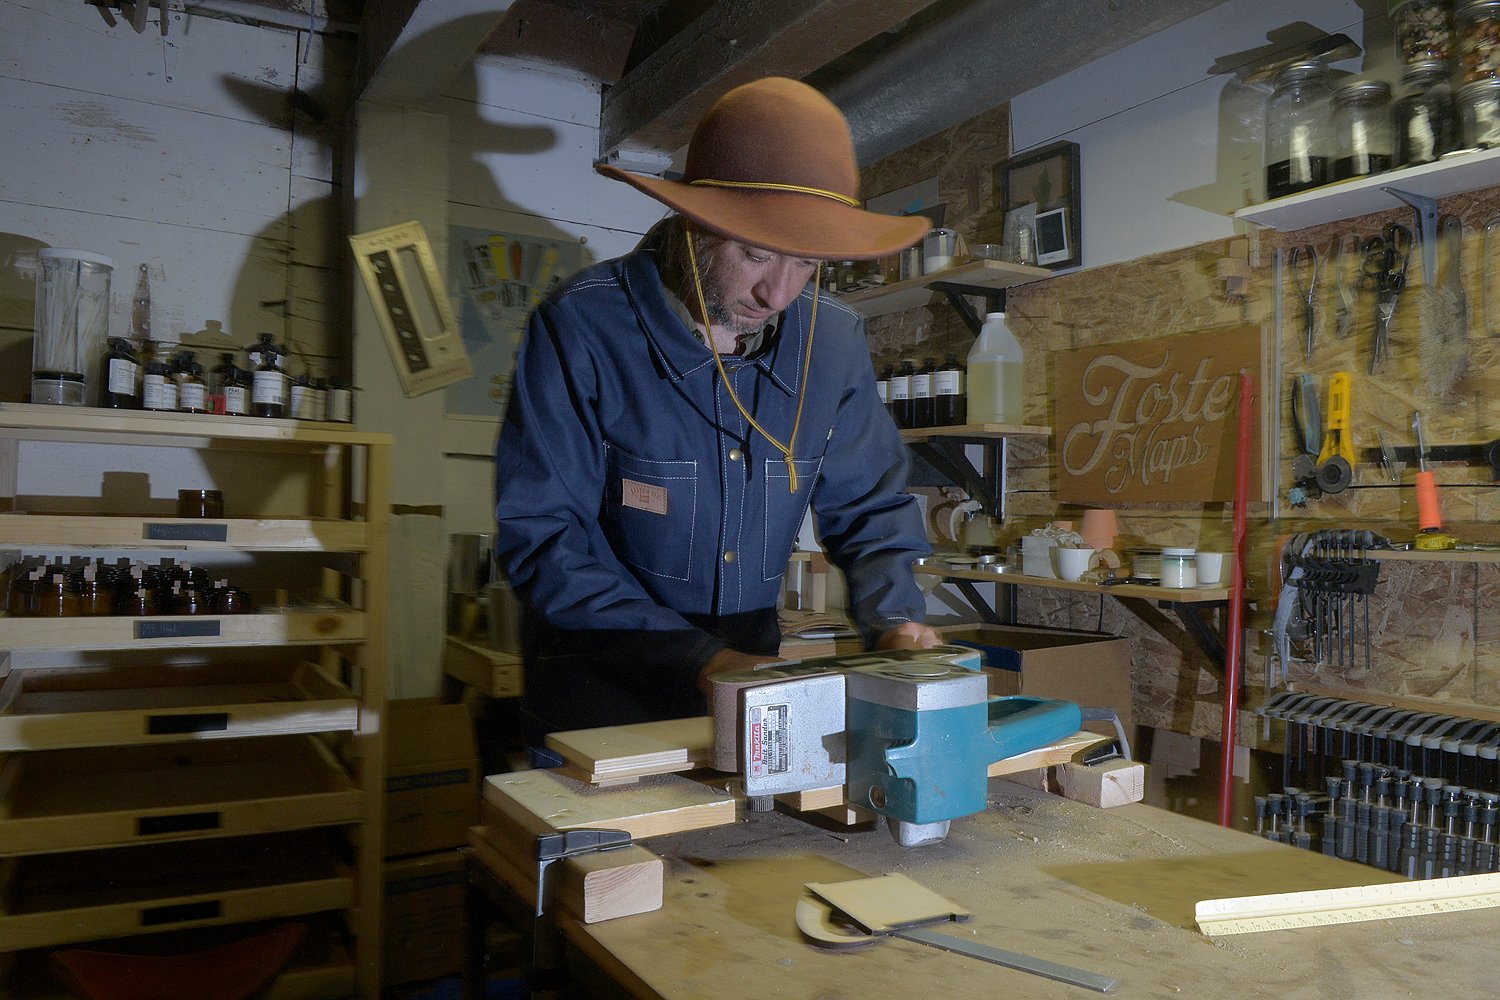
{"x":1434,"y":555}
{"x":79,"y":799}
{"x":34,"y":421}
{"x":916,"y":292}
{"x":1189,"y":595}
{"x":1363,"y":196}
{"x":57,"y":709}
{"x":53,"y":899}
{"x":975,"y":431}
{"x":291,"y":628}
{"x":90,"y":531}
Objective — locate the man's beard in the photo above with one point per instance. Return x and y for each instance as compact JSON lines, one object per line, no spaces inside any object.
{"x":722,"y":314}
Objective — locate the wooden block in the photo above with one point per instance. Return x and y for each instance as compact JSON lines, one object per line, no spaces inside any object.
{"x":1061,"y":752}
{"x":1112,"y":783}
{"x":612,"y":753}
{"x":540,"y":801}
{"x":487,"y":671}
{"x":611,"y":884}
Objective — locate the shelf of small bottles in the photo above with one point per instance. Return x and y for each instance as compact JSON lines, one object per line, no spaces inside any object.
{"x":300,"y":627}
{"x":37,"y":421}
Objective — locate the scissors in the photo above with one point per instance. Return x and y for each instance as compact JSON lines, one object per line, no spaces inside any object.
{"x":1345,"y":249}
{"x":1304,"y":265}
{"x":1386,"y":258}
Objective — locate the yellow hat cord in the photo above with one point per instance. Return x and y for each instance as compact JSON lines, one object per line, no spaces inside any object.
{"x":775,"y":186}
{"x":812,"y":323}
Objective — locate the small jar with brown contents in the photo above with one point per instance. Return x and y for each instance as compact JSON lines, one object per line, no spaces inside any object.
{"x":95,"y":590}
{"x":54,"y":598}
{"x":133,"y":597}
{"x":21,"y":599}
{"x":227,"y":600}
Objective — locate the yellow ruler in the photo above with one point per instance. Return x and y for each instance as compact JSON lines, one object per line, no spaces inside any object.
{"x":1319,"y":907}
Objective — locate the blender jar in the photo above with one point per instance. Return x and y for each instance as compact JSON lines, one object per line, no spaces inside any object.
{"x":72,"y":318}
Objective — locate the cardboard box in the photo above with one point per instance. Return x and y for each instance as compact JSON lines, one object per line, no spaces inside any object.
{"x":431,"y":778}
{"x":1083,"y":667}
{"x":424,"y":917}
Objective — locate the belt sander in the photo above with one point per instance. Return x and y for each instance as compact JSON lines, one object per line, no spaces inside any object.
{"x":910,"y":734}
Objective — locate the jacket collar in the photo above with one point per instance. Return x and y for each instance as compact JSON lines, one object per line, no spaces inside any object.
{"x":681,"y":354}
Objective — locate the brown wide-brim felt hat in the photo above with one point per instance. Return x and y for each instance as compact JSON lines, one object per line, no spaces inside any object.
{"x":772,"y":165}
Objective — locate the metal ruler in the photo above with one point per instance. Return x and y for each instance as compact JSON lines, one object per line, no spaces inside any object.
{"x":1320,"y":907}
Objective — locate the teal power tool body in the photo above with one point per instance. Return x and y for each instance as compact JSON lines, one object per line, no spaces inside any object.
{"x":910,"y":734}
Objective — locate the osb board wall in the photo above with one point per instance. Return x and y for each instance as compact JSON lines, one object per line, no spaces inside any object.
{"x":1430,"y":633}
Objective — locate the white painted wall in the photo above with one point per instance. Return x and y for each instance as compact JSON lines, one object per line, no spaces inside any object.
{"x":1168,"y":150}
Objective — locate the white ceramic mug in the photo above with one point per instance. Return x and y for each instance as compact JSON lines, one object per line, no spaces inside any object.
{"x":1211,"y":566}
{"x":1073,"y":563}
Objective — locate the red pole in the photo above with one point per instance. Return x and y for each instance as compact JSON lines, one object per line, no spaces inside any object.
{"x":1233,"y":653}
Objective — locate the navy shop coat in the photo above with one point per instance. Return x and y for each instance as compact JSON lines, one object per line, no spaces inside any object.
{"x":645,"y":525}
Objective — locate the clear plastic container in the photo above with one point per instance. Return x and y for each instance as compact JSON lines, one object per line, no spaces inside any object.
{"x":1478,"y":40}
{"x":1479,"y":114}
{"x":1424,"y":30}
{"x":1424,"y":116}
{"x":995,"y":374}
{"x":1299,"y":130}
{"x":71,"y":323}
{"x":1362,"y":129}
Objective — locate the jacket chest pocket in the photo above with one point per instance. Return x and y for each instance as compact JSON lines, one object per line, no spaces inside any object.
{"x":650,"y":512}
{"x":785,"y":509}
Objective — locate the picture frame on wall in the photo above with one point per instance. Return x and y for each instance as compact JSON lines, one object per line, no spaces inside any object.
{"x":1045,"y":182}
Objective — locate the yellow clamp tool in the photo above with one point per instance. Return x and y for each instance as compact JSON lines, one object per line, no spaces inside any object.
{"x":1336,"y":460}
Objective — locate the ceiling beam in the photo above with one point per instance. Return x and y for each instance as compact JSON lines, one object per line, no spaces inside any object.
{"x":410,"y":49}
{"x":657,"y":104}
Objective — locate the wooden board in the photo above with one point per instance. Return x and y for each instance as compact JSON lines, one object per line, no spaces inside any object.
{"x":53,"y":900}
{"x":539,"y":801}
{"x":489,"y":672}
{"x":212,"y":534}
{"x":611,"y":753}
{"x":292,"y":628}
{"x":105,"y":706}
{"x":74,"y":799}
{"x":887,"y":902}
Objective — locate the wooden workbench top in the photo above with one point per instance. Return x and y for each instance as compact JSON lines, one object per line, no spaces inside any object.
{"x":1109,"y":891}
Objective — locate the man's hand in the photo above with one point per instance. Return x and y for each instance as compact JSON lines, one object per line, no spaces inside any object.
{"x":726,"y":661}
{"x":909,"y":635}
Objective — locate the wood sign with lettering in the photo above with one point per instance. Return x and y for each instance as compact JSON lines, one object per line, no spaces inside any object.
{"x":1156,"y":420}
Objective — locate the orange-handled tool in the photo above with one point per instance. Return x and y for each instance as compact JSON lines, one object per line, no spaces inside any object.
{"x":1338,"y":442}
{"x":1429,"y":512}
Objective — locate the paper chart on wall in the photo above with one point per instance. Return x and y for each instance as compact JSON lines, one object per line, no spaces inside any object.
{"x":498,"y":278}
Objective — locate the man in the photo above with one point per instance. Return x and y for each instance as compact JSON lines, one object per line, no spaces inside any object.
{"x":676,"y":411}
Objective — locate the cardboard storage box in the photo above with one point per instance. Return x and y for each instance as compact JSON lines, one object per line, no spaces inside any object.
{"x":424,"y":917}
{"x":1083,"y":667}
{"x":431,"y":777}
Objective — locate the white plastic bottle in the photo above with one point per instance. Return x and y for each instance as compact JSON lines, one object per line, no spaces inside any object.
{"x":995,"y":370}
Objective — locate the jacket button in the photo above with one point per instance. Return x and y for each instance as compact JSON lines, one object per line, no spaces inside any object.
{"x":735,"y":455}
{"x":729,"y":557}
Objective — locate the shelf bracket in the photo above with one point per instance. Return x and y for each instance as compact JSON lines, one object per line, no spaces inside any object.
{"x":946,"y":455}
{"x":978,"y":603}
{"x":1426,"y":210}
{"x":1193,"y":616}
{"x":995,"y":297}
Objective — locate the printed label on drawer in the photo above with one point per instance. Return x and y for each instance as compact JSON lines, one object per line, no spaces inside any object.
{"x":768,"y":740}
{"x":177,"y":629}
{"x":187,"y":532}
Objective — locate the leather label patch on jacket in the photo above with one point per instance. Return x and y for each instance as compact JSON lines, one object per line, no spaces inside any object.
{"x":643,"y":497}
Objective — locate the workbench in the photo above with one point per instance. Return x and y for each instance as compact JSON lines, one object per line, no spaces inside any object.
{"x":1109,"y":891}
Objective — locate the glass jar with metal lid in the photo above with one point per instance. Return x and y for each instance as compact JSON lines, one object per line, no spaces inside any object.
{"x":1424,"y":115}
{"x":1424,"y":30}
{"x":1299,"y":133}
{"x":1479,"y":114}
{"x":1362,"y":129}
{"x":1478,"y":40}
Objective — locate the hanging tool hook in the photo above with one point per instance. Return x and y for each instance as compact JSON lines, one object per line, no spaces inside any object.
{"x":1425,"y":213}
{"x":1304,"y":266}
